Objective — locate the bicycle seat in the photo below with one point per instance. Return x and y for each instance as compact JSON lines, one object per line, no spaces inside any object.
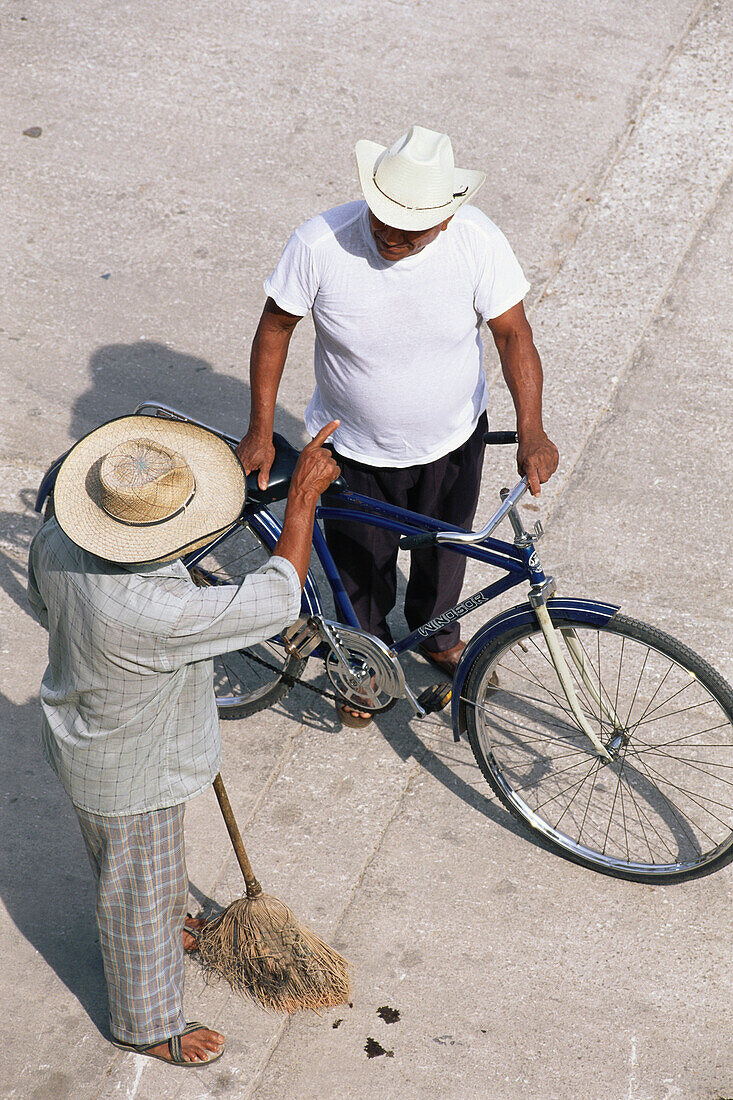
{"x":281,"y":472}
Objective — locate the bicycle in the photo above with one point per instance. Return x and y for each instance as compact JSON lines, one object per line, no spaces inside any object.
{"x":607,"y":738}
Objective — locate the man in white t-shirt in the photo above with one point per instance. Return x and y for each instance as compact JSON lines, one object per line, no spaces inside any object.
{"x":398,"y":286}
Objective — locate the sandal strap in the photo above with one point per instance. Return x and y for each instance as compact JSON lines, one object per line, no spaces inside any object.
{"x":174,"y":1043}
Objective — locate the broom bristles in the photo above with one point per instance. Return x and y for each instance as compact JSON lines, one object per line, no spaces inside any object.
{"x":259,"y":948}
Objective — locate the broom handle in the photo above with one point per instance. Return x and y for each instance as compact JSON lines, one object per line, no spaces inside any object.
{"x":253,"y":887}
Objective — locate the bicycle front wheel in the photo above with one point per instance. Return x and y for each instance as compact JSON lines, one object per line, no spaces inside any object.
{"x":662,"y":807}
{"x":252,"y":679}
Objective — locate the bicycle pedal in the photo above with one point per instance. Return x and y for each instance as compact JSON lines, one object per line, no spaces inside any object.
{"x":435,"y":698}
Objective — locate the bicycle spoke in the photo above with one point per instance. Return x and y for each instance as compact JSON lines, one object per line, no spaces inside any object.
{"x":570,"y":786}
{"x":623,"y":812}
{"x":669,"y":699}
{"x":680,"y":817}
{"x":572,"y":800}
{"x":694,"y":796}
{"x":587,"y":805}
{"x":672,"y":713}
{"x":493,"y":711}
{"x":636,"y":689}
{"x":649,"y":822}
{"x":694,"y":765}
{"x":697,"y":733}
{"x":647,"y":710}
{"x":618,"y":675}
{"x":534,"y":679}
{"x":580,"y":686}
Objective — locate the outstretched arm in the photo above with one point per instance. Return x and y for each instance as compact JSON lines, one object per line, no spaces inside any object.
{"x":267,"y":361}
{"x":537,"y":455}
{"x":314,"y":472}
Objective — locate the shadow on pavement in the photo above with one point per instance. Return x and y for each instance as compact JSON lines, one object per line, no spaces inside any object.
{"x":395,"y":726}
{"x":124,"y":375}
{"x":46,"y":883}
{"x":45,"y":878}
{"x":16,"y":531}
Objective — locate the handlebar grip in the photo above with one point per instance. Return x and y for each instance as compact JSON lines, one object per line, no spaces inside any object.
{"x":416,"y":542}
{"x":493,"y":438}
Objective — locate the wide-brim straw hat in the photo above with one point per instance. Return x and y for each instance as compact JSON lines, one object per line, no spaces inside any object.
{"x":143,"y":489}
{"x":414,"y":185}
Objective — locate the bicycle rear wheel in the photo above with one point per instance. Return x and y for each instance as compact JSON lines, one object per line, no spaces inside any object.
{"x":252,"y":679}
{"x":662,"y":808}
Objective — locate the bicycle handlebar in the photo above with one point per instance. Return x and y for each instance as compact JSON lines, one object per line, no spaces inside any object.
{"x":493,"y":438}
{"x":414,"y":542}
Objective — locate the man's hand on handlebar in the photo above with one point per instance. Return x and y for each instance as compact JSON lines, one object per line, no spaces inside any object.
{"x":257,"y":453}
{"x":537,"y":459}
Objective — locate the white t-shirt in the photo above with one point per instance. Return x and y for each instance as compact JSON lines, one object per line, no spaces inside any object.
{"x":398,"y":347}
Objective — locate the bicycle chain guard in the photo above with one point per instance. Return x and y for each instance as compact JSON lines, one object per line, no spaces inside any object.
{"x":375,"y":681}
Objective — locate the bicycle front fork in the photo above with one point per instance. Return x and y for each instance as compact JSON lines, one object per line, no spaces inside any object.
{"x":539,"y":594}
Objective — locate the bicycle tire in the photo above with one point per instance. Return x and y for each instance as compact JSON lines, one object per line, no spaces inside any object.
{"x":662,"y":809}
{"x":242,"y":684}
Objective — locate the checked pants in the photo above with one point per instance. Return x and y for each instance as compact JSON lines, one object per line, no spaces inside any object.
{"x":139,"y":868}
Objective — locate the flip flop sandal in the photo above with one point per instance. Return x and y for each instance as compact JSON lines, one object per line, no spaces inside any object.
{"x":194,"y":933}
{"x":174,"y":1046}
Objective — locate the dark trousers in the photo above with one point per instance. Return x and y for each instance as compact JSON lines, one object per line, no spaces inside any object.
{"x":366,"y":556}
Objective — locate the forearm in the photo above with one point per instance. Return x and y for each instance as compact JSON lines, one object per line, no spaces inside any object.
{"x":267,"y":362}
{"x":522,"y":370}
{"x":297,"y":533}
{"x":537,"y":455}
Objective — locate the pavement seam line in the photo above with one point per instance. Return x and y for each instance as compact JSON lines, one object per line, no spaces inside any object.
{"x":598,"y":182}
{"x":632,"y":358}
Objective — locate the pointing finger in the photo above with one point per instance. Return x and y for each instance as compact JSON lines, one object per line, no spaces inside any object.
{"x":324,"y":433}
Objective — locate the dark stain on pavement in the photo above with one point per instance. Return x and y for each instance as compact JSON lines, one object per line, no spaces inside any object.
{"x":389,"y":1015}
{"x":374,"y":1049}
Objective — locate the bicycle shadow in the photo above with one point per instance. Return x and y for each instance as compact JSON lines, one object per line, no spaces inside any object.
{"x":16,"y":532}
{"x":122,"y":376}
{"x":396,"y":727}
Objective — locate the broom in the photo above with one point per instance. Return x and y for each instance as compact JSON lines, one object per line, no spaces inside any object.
{"x":259,"y":947}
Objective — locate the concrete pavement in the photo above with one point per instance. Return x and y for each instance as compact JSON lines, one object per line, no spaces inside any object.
{"x":180,"y":144}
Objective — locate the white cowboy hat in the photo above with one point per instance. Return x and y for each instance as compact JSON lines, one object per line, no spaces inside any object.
{"x":415,"y":184}
{"x":142,"y":489}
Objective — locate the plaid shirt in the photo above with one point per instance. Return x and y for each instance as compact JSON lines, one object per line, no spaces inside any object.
{"x":129,"y":715}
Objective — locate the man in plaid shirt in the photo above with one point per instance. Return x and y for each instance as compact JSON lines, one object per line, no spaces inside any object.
{"x":129,"y":715}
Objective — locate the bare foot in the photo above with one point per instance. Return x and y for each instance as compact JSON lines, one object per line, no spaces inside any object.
{"x":195,"y":1047}
{"x":351,"y":716}
{"x":357,"y":713}
{"x":189,"y":942}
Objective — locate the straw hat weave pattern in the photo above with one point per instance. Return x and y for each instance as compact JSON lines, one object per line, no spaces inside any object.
{"x":142,"y":482}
